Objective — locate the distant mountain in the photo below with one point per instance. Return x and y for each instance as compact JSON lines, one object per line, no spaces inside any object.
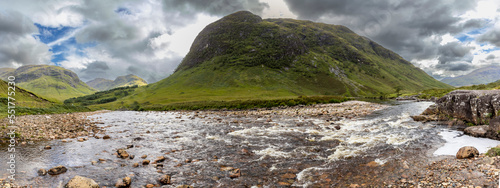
{"x":6,"y":72}
{"x":480,"y":76}
{"x":102,"y":84}
{"x":50,"y":82}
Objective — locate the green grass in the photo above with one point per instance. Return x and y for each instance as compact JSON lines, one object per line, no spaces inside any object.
{"x":493,"y":152}
{"x":27,"y":103}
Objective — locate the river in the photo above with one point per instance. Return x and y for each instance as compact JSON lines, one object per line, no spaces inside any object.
{"x":279,"y":150}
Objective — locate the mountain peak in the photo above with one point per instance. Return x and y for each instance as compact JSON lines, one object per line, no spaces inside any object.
{"x":242,"y":16}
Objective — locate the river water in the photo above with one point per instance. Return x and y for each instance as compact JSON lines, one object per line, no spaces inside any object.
{"x":269,"y":151}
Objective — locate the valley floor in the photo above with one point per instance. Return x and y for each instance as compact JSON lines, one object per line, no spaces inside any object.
{"x":350,"y":144}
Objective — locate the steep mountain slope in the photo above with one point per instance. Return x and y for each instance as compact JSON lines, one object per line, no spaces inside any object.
{"x":51,"y":82}
{"x":480,"y":76}
{"x":242,"y":57}
{"x":242,"y":52}
{"x":102,"y":84}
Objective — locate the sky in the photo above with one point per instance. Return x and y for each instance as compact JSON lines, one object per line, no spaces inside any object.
{"x":149,"y":38}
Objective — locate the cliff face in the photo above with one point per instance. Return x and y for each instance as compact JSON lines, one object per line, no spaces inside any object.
{"x":478,"y":107}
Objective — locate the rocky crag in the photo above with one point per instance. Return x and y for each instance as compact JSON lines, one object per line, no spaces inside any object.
{"x":468,"y":107}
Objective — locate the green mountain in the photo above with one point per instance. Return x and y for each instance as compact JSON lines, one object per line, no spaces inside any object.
{"x":242,"y":56}
{"x":102,"y":84}
{"x":480,"y":76}
{"x":50,"y":82}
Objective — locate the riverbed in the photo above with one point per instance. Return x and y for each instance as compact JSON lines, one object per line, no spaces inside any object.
{"x":270,"y":148}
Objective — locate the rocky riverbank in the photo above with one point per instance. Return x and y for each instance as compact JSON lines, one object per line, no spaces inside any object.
{"x":466,"y":108}
{"x":334,"y":111}
{"x":52,"y":126}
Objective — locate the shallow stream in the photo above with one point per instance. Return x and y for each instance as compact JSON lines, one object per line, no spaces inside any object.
{"x":269,"y":151}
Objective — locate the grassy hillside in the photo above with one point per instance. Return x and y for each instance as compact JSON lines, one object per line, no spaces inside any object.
{"x":27,"y":102}
{"x":242,"y":57}
{"x":22,"y":97}
{"x":51,"y":82}
{"x":102,"y":84}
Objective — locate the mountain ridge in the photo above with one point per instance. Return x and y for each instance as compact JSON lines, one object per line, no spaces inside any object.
{"x":483,"y":75}
{"x":50,"y":82}
{"x":102,"y":84}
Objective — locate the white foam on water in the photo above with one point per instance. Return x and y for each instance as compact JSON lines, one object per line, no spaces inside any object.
{"x":272,"y":152}
{"x":302,"y":176}
{"x":343,"y":152}
{"x":456,"y":139}
{"x":381,"y":161}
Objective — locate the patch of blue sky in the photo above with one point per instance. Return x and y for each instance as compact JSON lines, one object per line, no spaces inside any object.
{"x":464,"y":38}
{"x":124,"y":11}
{"x":61,"y":42}
{"x":51,"y":34}
{"x":491,"y":49}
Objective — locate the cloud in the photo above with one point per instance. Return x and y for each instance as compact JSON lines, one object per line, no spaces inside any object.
{"x":96,"y":69}
{"x":492,"y":36}
{"x":188,"y":8}
{"x":453,"y":51}
{"x":18,"y":46}
{"x":413,"y":29}
{"x":455,"y":66}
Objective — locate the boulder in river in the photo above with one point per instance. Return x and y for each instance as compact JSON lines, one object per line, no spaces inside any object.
{"x":236,"y":173}
{"x":81,"y":182}
{"x":47,"y":147}
{"x":467,"y":152}
{"x":124,"y":183}
{"x":42,"y":172}
{"x":122,"y":153}
{"x":165,"y":179}
{"x":58,"y":170}
{"x":145,"y":162}
{"x":160,"y":159}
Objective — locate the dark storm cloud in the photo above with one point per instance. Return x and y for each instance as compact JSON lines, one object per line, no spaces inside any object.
{"x":96,"y":69}
{"x":188,"y":8}
{"x":490,"y":57}
{"x":407,"y":27}
{"x":18,"y":46}
{"x":455,"y":66}
{"x":453,"y":51}
{"x":14,"y":23}
{"x":492,"y":36}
